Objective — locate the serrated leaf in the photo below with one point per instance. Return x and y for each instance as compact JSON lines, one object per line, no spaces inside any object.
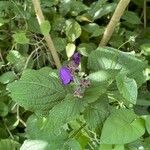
{"x":45,"y":27}
{"x":73,"y":30}
{"x":122,"y":122}
{"x":109,"y":58}
{"x":36,"y":130}
{"x":97,"y":112}
{"x":21,"y":38}
{"x":127,"y":87}
{"x":70,"y":49}
{"x":46,"y":90}
{"x":131,"y":17}
{"x":8,"y":144}
{"x":64,"y":112}
{"x":92,"y":93}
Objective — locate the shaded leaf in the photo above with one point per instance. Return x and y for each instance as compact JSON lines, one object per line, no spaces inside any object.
{"x":8,"y":144}
{"x":131,"y":17}
{"x":73,"y":30}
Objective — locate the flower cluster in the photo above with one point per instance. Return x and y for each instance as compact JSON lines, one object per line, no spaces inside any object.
{"x":70,"y":74}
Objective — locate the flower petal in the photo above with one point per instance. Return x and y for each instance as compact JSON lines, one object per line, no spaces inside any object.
{"x":76,"y":58}
{"x":65,"y":75}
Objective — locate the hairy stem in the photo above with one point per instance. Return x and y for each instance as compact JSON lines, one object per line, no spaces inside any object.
{"x":113,"y":22}
{"x":47,"y":37}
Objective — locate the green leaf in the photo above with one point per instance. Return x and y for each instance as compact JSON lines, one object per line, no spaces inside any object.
{"x":147,"y":123}
{"x":33,"y":25}
{"x":70,"y":49}
{"x":105,"y":147}
{"x":131,"y":17}
{"x":100,"y":9}
{"x":34,"y":145}
{"x":111,"y":147}
{"x":73,"y":144}
{"x":106,"y":9}
{"x":104,"y":76}
{"x":7,"y":77}
{"x":145,"y":49}
{"x":122,"y":122}
{"x":77,"y":7}
{"x":127,"y":87}
{"x":38,"y":131}
{"x":92,"y":93}
{"x":46,"y":90}
{"x":94,"y":29}
{"x":86,"y":48}
{"x":8,"y":144}
{"x":16,"y":59}
{"x":45,"y":27}
{"x":64,"y":112}
{"x":3,"y":109}
{"x":109,"y":58}
{"x":20,"y":38}
{"x":60,"y":43}
{"x":73,"y":30}
{"x":97,"y":112}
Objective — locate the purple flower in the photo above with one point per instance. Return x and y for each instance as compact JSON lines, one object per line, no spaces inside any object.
{"x":76,"y":58}
{"x":65,"y":75}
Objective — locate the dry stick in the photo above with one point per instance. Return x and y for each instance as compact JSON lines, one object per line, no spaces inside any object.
{"x":47,"y":37}
{"x":113,"y":22}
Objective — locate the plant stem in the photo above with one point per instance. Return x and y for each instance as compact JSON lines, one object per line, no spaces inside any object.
{"x":113,"y":22}
{"x":47,"y":37}
{"x":144,"y":10}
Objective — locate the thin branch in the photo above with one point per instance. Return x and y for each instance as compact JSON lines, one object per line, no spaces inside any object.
{"x":113,"y":22}
{"x":144,"y":10}
{"x":48,"y":39}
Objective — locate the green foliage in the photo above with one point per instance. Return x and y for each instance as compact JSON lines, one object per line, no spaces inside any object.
{"x":20,"y":38}
{"x":47,"y":90}
{"x":9,"y":144}
{"x":122,"y":122}
{"x":127,"y":87}
{"x":73,"y":30}
{"x":45,"y":27}
{"x":38,"y":112}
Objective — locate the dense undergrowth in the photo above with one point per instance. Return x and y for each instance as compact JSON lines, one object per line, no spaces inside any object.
{"x":101,"y":103}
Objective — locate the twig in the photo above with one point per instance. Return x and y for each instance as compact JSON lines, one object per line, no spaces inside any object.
{"x":47,"y":37}
{"x":113,"y":22}
{"x":18,"y":117}
{"x":144,"y":10}
{"x":8,"y":130}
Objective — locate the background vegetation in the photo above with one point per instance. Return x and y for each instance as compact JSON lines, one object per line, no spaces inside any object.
{"x":38,"y":112}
